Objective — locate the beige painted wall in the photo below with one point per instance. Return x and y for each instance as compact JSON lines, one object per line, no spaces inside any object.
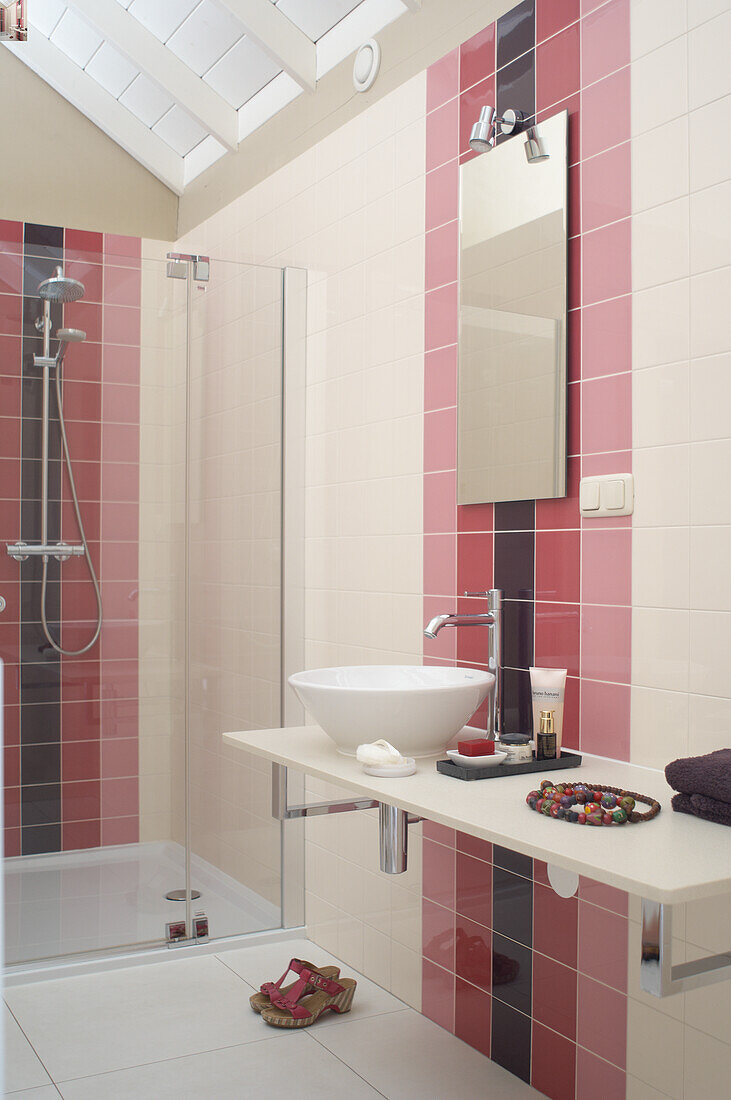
{"x":58,"y":168}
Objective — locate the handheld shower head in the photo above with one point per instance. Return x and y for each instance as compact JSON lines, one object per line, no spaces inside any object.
{"x":65,"y":337}
{"x":59,"y":288}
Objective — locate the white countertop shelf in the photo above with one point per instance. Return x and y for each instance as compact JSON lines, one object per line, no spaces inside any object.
{"x":671,"y":859}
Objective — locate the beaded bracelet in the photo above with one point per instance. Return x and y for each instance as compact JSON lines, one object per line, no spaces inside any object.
{"x":590,"y":804}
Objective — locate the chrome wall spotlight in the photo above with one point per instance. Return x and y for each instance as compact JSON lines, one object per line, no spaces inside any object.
{"x":535,"y":150}
{"x":490,"y":124}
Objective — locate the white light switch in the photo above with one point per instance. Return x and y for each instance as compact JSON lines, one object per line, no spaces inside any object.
{"x":607,"y":495}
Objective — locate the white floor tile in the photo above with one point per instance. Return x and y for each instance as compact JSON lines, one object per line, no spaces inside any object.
{"x":299,"y":1067}
{"x":407,"y":1057}
{"x":44,"y":1092}
{"x":266,"y":964}
{"x":23,"y":1070}
{"x":118,"y":1019}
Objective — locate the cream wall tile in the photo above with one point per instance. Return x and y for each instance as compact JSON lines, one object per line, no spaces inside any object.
{"x":710,"y":227}
{"x":699,"y":11}
{"x":660,"y":244}
{"x":709,"y":295}
{"x":655,"y":1049}
{"x":659,"y":727}
{"x":709,"y":725}
{"x":661,"y":567}
{"x":406,"y":974}
{"x":709,"y":1009}
{"x":710,"y":645}
{"x":662,"y":486}
{"x":707,"y":1064}
{"x":710,"y":397}
{"x":659,"y":86}
{"x":709,"y":75}
{"x":710,"y":576}
{"x":660,"y":405}
{"x":660,"y":163}
{"x":655,"y":22}
{"x":640,"y":1090}
{"x":710,"y":464}
{"x":661,"y":324}
{"x":710,"y":162}
{"x":707,"y":925}
{"x":660,"y":648}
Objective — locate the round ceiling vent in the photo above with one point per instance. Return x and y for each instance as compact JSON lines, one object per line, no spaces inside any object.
{"x":366,"y":65}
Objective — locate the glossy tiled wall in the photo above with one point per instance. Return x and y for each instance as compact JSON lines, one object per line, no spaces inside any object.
{"x":71,"y":722}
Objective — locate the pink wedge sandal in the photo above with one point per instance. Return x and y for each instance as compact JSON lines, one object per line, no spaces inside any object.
{"x":262,"y":999}
{"x":297,"y":1008}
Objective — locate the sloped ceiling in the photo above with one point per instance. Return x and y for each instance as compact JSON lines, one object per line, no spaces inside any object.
{"x":179,"y":83}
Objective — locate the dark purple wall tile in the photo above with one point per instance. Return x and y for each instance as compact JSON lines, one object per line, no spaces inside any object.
{"x":512,"y":906}
{"x":511,"y":1039}
{"x":516,"y":32}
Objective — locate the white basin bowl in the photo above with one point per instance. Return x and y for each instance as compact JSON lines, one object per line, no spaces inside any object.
{"x":418,"y":709}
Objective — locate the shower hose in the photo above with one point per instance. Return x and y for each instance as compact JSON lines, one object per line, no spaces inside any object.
{"x":44,"y":579}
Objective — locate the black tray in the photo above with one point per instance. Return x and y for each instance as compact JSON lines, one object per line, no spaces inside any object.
{"x":460,"y":771}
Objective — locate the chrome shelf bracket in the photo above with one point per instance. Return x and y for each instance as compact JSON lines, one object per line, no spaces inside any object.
{"x":393,"y":823}
{"x":658,"y":976}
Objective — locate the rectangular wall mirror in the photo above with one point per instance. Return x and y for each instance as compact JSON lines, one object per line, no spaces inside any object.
{"x":512,"y":335}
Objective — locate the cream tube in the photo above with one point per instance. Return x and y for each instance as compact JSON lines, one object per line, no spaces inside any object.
{"x":547,"y":690}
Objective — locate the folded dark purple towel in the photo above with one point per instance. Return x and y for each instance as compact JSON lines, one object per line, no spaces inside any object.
{"x":710,"y":809}
{"x":709,"y":775}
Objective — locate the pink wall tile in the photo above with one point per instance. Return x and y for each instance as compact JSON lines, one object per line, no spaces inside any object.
{"x":557,"y":631}
{"x":119,"y":249}
{"x":555,"y":924}
{"x":605,"y":40}
{"x":603,"y":946}
{"x":605,"y":716}
{"x":86,"y":316}
{"x":475,"y":517}
{"x":472,"y":1016}
{"x":477,"y":57}
{"x":79,"y":244}
{"x":557,"y":566}
{"x":120,"y":830}
{"x":473,"y":953}
{"x":120,"y":759}
{"x":439,"y":874}
{"x":121,"y":364}
{"x":606,"y":186}
{"x":80,"y":760}
{"x":441,"y":316}
{"x":122,"y":325}
{"x":553,"y":1064}
{"x":602,"y":1025}
{"x":605,"y":117}
{"x":442,"y":80}
{"x":573,"y":106}
{"x":122,"y":286}
{"x":442,"y":134}
{"x":82,"y":801}
{"x":440,"y":378}
{"x":474,"y":562}
{"x":606,"y":414}
{"x":606,"y":262}
{"x":554,"y":995}
{"x":575,"y":288}
{"x":440,"y":833}
{"x":474,"y":890}
{"x":606,"y":638}
{"x":593,"y":1075}
{"x":10,"y":355}
{"x":437,"y":995}
{"x":120,"y":797}
{"x":80,"y":834}
{"x":11,"y":273}
{"x":120,"y":404}
{"x":474,"y":846}
{"x":558,"y":67}
{"x":440,"y":564}
{"x":606,"y":566}
{"x":442,"y":254}
{"x":442,"y":194}
{"x":11,"y":236}
{"x":607,"y":338}
{"x":554,"y":15}
{"x":437,"y":934}
{"x":440,"y":509}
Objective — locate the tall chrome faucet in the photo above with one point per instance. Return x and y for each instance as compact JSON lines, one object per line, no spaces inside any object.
{"x":492,"y":619}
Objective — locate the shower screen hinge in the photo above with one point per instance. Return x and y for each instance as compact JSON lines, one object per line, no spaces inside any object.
{"x":176,"y":934}
{"x":178,"y":266}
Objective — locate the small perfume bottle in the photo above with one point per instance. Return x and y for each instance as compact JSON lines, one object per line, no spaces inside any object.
{"x":546,"y":741}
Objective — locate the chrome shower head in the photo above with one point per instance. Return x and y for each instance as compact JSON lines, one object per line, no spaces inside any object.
{"x":59,"y":288}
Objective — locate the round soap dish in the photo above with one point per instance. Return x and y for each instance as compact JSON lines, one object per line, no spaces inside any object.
{"x":393,"y":771}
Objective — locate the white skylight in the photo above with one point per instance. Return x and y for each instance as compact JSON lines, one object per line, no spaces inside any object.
{"x":178,"y":83}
